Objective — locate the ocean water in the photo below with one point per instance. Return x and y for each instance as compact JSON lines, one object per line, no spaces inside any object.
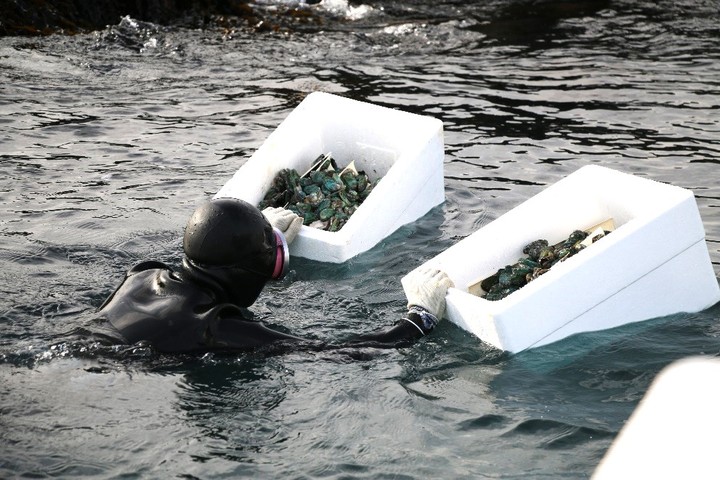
{"x":108,"y":141}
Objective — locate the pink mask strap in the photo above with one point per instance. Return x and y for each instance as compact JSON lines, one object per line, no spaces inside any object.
{"x":279,"y":256}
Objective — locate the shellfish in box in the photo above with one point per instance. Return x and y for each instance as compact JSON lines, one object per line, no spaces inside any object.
{"x":324,"y":196}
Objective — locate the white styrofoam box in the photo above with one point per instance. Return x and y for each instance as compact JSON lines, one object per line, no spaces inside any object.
{"x":671,"y":433}
{"x":405,"y":150}
{"x":655,"y":262}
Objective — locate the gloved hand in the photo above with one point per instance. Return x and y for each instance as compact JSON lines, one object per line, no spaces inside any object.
{"x":285,"y":221}
{"x":426,"y":287}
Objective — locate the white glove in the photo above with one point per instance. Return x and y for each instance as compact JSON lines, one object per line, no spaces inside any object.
{"x":285,"y":221}
{"x":426,"y":287}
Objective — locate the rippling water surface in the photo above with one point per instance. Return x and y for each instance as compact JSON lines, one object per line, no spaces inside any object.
{"x":108,"y":141}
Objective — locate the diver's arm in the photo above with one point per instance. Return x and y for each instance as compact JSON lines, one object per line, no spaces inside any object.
{"x":426,"y":303}
{"x":415,"y":325}
{"x":426,"y":290}
{"x":237,"y":333}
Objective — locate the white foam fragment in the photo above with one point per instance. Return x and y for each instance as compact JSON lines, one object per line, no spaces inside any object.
{"x":671,"y":433}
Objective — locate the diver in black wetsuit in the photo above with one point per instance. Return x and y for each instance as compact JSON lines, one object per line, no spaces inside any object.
{"x":231,"y":250}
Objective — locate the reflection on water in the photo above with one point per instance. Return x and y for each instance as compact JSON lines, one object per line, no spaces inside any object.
{"x":108,"y":141}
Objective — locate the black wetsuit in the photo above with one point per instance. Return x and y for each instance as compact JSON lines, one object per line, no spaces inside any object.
{"x":189,"y":311}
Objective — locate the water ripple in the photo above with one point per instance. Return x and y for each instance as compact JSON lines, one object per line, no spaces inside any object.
{"x":109,"y":140}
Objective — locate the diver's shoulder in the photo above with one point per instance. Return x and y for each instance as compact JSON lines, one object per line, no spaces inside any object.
{"x":148,"y":265}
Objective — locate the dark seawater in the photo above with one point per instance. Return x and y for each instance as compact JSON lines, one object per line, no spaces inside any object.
{"x":109,"y":140}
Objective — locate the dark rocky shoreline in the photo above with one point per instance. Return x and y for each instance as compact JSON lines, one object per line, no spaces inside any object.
{"x":42,"y":17}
